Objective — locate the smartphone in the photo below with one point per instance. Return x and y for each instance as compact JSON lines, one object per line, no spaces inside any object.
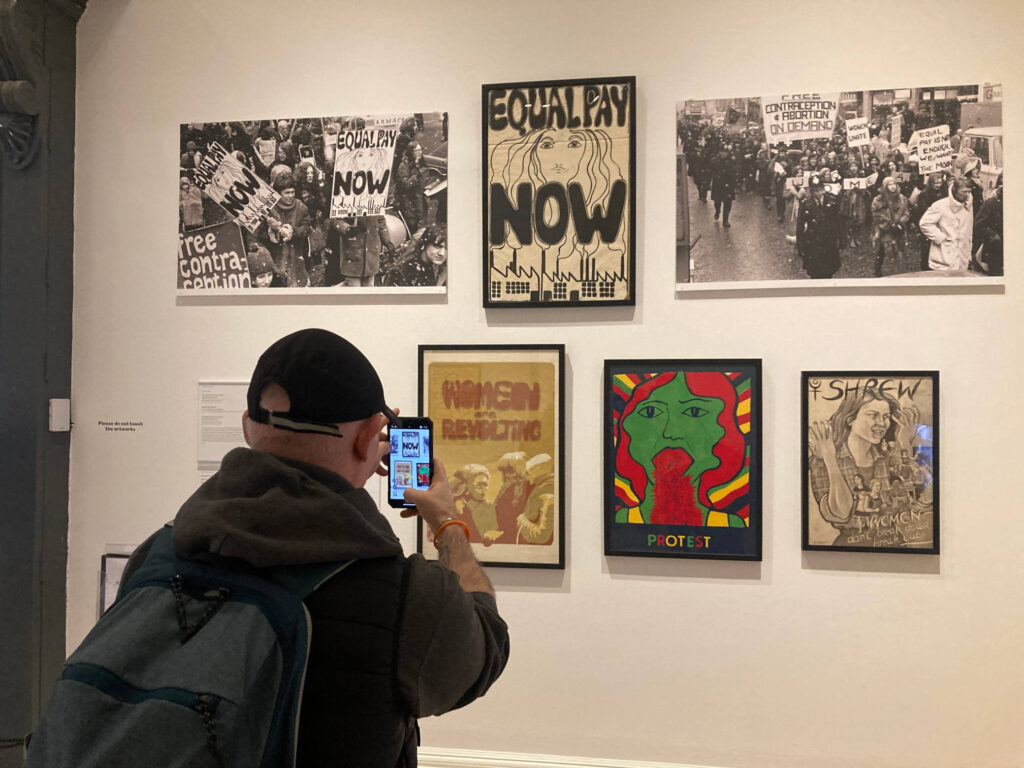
{"x":411,"y":458}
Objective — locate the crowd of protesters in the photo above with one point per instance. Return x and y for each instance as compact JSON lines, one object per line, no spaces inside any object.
{"x":299,"y":244}
{"x":942,"y":217}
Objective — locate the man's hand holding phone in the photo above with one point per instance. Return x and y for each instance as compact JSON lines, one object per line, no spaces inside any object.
{"x":435,"y":505}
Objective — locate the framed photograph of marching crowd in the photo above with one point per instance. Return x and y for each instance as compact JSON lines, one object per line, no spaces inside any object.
{"x":559,"y":193}
{"x":499,"y":428}
{"x":328,"y":204}
{"x":682,"y":466}
{"x":898,"y":186}
{"x":871,"y":461}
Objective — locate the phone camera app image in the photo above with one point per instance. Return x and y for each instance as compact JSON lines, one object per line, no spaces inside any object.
{"x":410,"y":444}
{"x":423,"y":475}
{"x":402,"y":476}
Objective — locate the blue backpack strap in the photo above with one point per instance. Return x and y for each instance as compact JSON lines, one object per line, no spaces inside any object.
{"x":158,"y":564}
{"x":162,"y":562}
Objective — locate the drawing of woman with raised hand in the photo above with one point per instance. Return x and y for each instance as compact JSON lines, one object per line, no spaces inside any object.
{"x":582,"y":156}
{"x":848,"y":444}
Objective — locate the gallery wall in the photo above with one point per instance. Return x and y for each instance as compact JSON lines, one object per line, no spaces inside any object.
{"x":804,"y":659}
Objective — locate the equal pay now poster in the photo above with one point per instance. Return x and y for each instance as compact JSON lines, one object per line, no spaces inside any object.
{"x":682,"y":471}
{"x":559,"y":163}
{"x":498,"y":428}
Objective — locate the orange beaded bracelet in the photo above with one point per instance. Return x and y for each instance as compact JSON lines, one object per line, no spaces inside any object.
{"x":446,"y":523}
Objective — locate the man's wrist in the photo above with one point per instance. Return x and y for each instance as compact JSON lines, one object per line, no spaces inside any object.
{"x":449,"y":524}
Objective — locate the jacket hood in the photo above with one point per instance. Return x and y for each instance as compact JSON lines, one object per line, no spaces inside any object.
{"x":955,"y":205}
{"x":269,"y":511}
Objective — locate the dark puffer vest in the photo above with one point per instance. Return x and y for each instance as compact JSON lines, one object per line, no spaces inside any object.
{"x":352,"y":672}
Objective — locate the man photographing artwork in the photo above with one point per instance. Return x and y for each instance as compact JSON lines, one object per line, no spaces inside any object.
{"x":392,"y":639}
{"x":423,"y":638}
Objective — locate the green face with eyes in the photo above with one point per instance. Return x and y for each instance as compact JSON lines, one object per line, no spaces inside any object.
{"x":671,"y":416}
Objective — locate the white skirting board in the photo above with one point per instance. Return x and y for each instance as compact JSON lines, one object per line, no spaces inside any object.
{"x":469,"y":758}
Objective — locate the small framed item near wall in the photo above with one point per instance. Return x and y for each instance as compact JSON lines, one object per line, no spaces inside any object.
{"x":682,"y":472}
{"x":559,"y":193}
{"x":871,"y":461}
{"x":112,"y":566}
{"x":499,"y":428}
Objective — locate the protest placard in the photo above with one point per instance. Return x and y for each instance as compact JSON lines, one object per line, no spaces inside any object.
{"x":234,"y":187}
{"x":385,"y":121}
{"x":859,"y":183}
{"x":933,"y":151}
{"x":362,"y":171}
{"x":266,"y":150}
{"x":895,"y":129}
{"x":799,"y":116}
{"x":212,"y":258}
{"x":857,"y":132}
{"x":798,"y":181}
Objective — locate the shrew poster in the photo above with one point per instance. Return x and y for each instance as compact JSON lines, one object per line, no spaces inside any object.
{"x":871,"y":461}
{"x":559,"y":193}
{"x":497,"y":428}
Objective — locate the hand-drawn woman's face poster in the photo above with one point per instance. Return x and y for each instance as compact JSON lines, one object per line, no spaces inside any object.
{"x":683,"y":458}
{"x":497,"y":414}
{"x":871,"y":461}
{"x":559,"y":193}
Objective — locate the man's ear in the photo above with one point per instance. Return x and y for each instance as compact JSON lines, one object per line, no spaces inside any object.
{"x":245,"y":427}
{"x":367,"y":440}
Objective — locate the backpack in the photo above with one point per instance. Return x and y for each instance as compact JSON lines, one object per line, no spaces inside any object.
{"x":194,"y":665}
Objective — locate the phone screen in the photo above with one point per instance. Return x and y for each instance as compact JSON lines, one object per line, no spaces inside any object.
{"x":409,"y":462}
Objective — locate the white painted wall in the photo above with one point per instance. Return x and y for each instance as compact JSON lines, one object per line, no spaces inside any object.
{"x":802,"y":660}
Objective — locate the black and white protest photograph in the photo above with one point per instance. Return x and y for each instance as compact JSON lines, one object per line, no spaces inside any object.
{"x":847,"y":187}
{"x":314,"y":204}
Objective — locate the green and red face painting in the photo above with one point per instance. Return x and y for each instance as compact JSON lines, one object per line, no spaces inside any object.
{"x":678,"y":439}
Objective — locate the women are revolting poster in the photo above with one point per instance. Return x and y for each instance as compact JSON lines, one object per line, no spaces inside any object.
{"x":559,"y":193}
{"x":498,"y":428}
{"x":683,"y":458}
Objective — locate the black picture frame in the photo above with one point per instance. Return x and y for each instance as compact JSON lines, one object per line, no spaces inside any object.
{"x":584,"y":121}
{"x":499,"y":427}
{"x":870,"y":415}
{"x":112,"y":565}
{"x":718,"y":430}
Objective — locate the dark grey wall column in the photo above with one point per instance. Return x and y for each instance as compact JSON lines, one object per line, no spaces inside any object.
{"x":37,"y":125}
